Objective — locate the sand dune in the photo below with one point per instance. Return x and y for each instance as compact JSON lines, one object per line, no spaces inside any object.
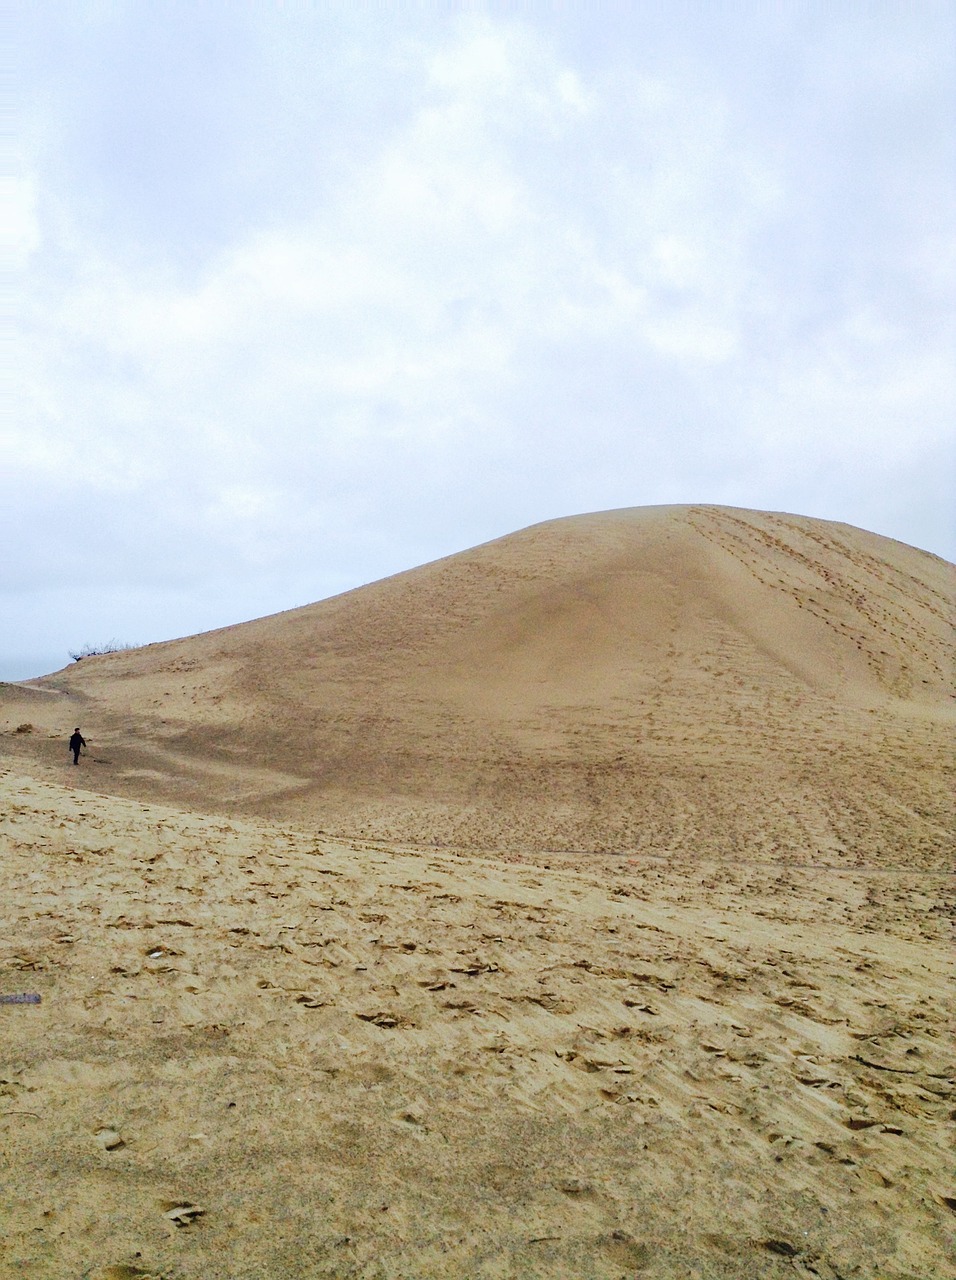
{"x":575,"y":907}
{"x":657,"y":679}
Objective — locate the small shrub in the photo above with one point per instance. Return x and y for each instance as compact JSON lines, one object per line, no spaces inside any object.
{"x":93,"y":650}
{"x":24,"y":728}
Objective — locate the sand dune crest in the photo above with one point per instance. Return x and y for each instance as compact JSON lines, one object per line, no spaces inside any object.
{"x":660,"y":679}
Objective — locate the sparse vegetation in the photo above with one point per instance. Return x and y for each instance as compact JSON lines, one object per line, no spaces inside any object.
{"x":93,"y":650}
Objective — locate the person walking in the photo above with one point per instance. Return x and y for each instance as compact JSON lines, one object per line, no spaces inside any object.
{"x":76,"y":742}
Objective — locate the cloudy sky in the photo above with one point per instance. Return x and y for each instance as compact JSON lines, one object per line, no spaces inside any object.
{"x":309,"y":293}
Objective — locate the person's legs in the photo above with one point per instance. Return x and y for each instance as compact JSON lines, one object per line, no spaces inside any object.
{"x":76,"y":755}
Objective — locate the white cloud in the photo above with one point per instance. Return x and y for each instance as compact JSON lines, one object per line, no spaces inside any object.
{"x":521,"y":282}
{"x":19,"y":227}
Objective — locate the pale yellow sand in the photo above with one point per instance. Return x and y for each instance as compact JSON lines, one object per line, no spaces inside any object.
{"x":671,"y":679}
{"x":366,"y":1061}
{"x":580,"y":911}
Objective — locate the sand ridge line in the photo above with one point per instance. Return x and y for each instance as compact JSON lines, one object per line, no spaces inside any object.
{"x":679,"y":679}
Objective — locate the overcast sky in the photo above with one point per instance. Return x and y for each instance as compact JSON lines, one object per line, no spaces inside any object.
{"x":307,"y":294}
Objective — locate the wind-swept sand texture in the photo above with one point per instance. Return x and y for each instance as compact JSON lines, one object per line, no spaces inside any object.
{"x":368,"y":1025}
{"x":263,"y":1054}
{"x":659,"y":679}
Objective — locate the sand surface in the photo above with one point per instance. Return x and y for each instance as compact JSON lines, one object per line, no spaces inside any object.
{"x":576,"y":907}
{"x":366,"y":1061}
{"x":663,"y":679}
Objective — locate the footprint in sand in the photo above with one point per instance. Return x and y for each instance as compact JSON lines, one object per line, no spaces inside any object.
{"x":624,"y":1251}
{"x":123,"y":1271}
{"x":181,"y":1213}
{"x":386,"y":1020}
{"x":109,"y":1139}
{"x":577,"y":1189}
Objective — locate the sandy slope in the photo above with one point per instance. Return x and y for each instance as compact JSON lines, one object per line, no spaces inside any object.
{"x":660,"y":679}
{"x":338,"y":1059}
{"x":368,"y":1025}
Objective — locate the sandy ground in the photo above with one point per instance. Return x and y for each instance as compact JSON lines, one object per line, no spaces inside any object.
{"x":573,"y":907}
{"x":263,"y":1053}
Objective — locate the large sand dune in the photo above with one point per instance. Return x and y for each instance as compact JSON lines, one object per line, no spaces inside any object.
{"x":664,"y":996}
{"x":656,"y":679}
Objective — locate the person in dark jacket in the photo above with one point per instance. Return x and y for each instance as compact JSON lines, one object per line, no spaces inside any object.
{"x":76,"y":742}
